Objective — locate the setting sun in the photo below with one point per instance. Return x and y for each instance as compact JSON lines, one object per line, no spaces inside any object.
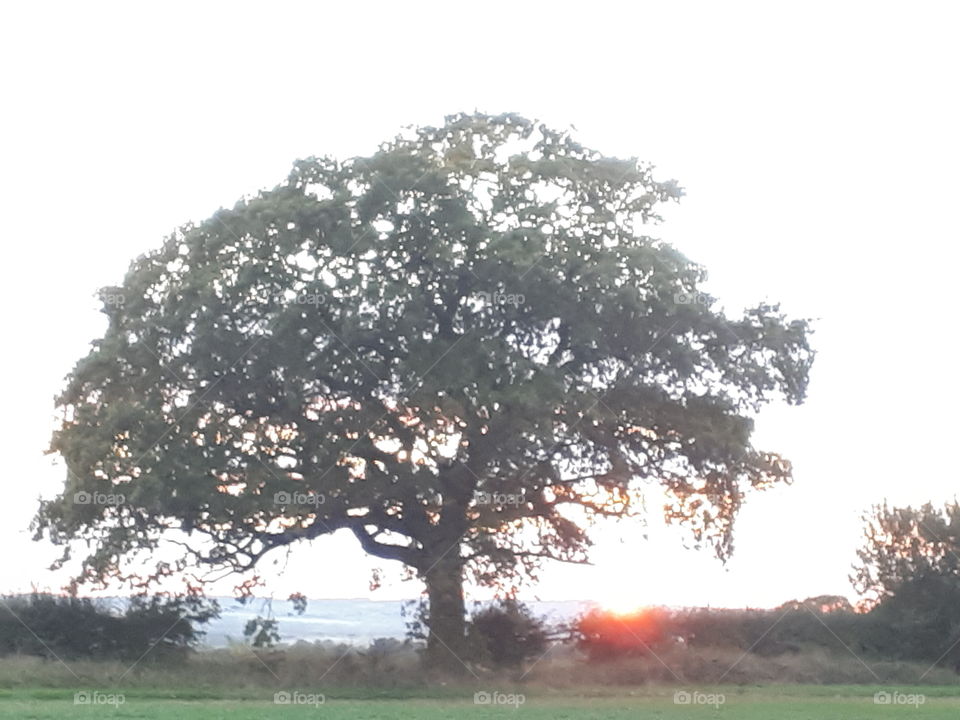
{"x":623,"y":605}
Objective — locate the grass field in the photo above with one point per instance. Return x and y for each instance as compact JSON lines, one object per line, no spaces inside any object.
{"x":758,"y":703}
{"x":239,"y":684}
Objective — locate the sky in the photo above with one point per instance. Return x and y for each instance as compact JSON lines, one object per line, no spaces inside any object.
{"x":817,"y":144}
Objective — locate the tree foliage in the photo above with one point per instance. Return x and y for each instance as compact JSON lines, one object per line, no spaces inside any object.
{"x":462,"y":349}
{"x":905,"y":545}
{"x":909,"y":575}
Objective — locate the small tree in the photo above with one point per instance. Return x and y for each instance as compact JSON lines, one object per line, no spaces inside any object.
{"x":909,"y":575}
{"x":461,"y":350}
{"x":904,"y":545}
{"x":507,"y":633}
{"x":262,"y":632}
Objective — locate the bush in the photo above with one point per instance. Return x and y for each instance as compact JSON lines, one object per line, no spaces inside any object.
{"x":817,"y":623}
{"x":69,"y":627}
{"x":605,"y":635}
{"x":505,"y":634}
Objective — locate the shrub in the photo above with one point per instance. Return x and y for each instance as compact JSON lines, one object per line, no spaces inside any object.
{"x":606,"y":635}
{"x":507,"y":633}
{"x":69,"y":627}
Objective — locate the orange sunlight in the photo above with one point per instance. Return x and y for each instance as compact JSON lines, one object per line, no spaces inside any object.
{"x":623,"y":605}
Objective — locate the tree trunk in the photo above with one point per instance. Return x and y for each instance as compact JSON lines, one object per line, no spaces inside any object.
{"x":446,"y":642}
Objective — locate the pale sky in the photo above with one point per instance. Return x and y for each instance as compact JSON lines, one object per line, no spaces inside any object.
{"x":818,"y":144}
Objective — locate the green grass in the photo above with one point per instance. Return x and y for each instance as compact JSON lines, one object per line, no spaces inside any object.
{"x":236,"y":684}
{"x":796,"y":702}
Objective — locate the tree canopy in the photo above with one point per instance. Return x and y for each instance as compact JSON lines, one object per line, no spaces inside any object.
{"x":463,"y":349}
{"x":904,"y":546}
{"x":909,"y":575}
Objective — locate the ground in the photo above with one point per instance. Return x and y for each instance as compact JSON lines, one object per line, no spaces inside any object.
{"x":797,"y":702}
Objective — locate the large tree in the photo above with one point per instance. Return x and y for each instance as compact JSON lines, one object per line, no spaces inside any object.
{"x":462,"y":349}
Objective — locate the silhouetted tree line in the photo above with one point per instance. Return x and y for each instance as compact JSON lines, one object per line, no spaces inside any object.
{"x":50,"y":626}
{"x":908,"y":578}
{"x":920,"y":625}
{"x":787,"y":629}
{"x":917,"y":623}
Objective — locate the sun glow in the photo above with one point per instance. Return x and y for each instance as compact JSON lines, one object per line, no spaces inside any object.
{"x":615,"y":595}
{"x":623,"y":605}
